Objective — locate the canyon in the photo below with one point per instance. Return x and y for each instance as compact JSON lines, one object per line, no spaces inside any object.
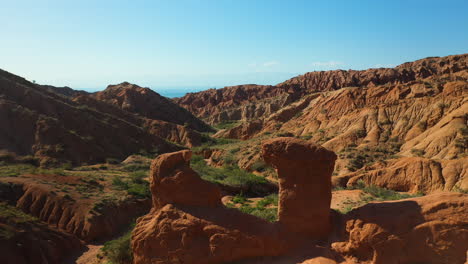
{"x":331,"y":167}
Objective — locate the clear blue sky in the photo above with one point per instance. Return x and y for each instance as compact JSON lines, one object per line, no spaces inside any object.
{"x":92,"y":43}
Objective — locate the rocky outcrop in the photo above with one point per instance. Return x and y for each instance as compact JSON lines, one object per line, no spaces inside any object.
{"x":174,"y":133}
{"x":189,"y":224}
{"x":430,"y":229}
{"x":411,"y":174}
{"x":242,"y":102}
{"x":243,"y":131}
{"x":175,"y":182}
{"x":147,"y":103}
{"x":304,"y":172}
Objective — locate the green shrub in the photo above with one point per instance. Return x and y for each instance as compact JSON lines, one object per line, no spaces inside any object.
{"x":136,"y":186}
{"x":136,"y":167}
{"x":138,"y":176}
{"x":119,"y":183}
{"x":118,"y":251}
{"x":229,"y":175}
{"x":229,"y":159}
{"x":271,"y":199}
{"x":383,"y":194}
{"x":240,"y":199}
{"x":139,"y":190}
{"x":269,"y":214}
{"x":259,"y":166}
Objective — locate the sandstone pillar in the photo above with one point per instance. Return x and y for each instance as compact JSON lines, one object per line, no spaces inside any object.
{"x":304,"y":171}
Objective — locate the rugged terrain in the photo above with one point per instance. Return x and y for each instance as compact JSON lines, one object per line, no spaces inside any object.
{"x":184,"y":227}
{"x":58,"y":126}
{"x":327,"y":167}
{"x":381,"y":122}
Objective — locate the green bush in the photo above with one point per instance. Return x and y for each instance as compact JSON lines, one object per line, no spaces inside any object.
{"x":229,"y":175}
{"x":259,"y":166}
{"x":271,"y":199}
{"x":138,"y":176}
{"x":136,"y":186}
{"x":118,"y":251}
{"x":269,"y":214}
{"x":240,"y":199}
{"x":139,"y":190}
{"x":119,"y":183}
{"x":383,"y":194}
{"x":136,"y":167}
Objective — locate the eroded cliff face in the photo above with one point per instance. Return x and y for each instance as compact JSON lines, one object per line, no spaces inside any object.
{"x":411,"y":174}
{"x":87,"y":219}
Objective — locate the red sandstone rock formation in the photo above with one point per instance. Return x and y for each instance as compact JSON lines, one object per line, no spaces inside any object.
{"x":430,"y":229}
{"x":304,"y":171}
{"x":174,"y":182}
{"x":411,"y":174}
{"x":188,"y":223}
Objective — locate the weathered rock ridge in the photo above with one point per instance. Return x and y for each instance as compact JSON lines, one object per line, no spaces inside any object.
{"x":64,"y":213}
{"x":246,"y":102}
{"x":148,"y":103}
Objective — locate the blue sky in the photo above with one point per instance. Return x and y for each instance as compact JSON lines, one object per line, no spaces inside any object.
{"x":89,"y":44}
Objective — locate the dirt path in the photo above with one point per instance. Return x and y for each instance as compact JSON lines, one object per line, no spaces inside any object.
{"x":345,"y":198}
{"x":89,"y":256}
